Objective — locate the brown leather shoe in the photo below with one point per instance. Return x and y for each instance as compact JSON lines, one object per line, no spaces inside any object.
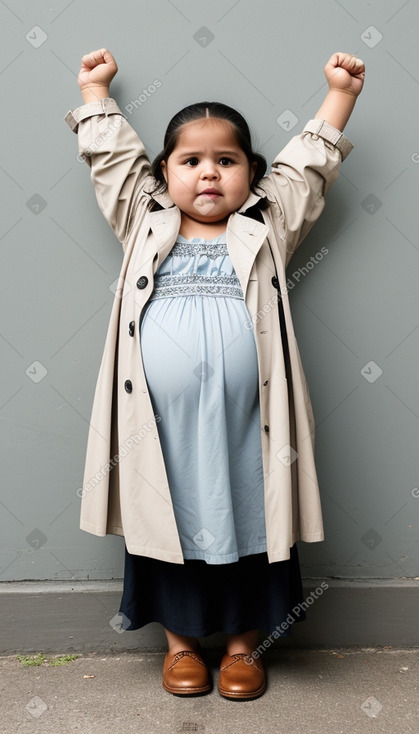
{"x":241,"y":677}
{"x":185,"y":674}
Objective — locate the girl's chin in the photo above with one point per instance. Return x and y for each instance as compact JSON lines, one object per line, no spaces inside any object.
{"x":205,"y":205}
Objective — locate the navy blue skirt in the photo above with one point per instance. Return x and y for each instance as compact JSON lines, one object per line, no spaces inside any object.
{"x":197,"y":598}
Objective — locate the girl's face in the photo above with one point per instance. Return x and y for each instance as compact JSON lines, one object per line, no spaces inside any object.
{"x":207,"y":156}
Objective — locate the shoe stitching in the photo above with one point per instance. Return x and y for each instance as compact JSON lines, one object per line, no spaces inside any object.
{"x":179,"y":655}
{"x":238,"y":656}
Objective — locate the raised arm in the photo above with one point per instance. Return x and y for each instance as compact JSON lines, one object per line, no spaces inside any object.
{"x":97,"y":70}
{"x":109,"y":145}
{"x":345,"y":75}
{"x":308,"y":165}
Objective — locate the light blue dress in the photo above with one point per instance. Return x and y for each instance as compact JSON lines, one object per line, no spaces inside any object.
{"x":201,"y":368}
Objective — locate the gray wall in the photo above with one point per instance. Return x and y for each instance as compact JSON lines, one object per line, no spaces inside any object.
{"x":356,"y":307}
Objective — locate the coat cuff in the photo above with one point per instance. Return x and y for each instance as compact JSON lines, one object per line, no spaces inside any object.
{"x":322,"y":129}
{"x":101,"y":107}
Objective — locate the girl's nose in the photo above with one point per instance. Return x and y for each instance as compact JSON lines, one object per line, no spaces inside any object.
{"x":209,"y":171}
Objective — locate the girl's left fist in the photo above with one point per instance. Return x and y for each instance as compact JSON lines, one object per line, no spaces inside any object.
{"x":345,"y":73}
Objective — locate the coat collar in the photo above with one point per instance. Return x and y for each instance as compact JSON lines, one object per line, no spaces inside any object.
{"x":244,"y":235}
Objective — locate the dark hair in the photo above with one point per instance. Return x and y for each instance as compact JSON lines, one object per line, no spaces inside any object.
{"x":198,"y":111}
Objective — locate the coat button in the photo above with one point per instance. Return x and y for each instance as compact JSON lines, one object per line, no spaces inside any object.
{"x":131,"y":328}
{"x":142,"y":282}
{"x":265,"y":383}
{"x":128,"y":385}
{"x":266,"y":429}
{"x":275,"y":282}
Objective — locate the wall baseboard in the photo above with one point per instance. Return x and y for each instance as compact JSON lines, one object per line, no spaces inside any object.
{"x":64,"y":617}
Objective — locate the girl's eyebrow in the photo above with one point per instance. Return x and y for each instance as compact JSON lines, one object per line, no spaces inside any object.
{"x":199,"y":152}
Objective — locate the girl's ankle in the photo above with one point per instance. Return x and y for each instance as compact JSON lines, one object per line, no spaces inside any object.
{"x":177,"y":643}
{"x":244,"y":643}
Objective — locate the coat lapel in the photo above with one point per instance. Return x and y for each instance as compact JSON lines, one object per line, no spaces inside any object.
{"x":165,"y":225}
{"x":244,"y":239}
{"x":244,"y":234}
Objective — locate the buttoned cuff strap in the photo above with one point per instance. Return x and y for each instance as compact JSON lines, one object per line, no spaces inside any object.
{"x":101,"y":107}
{"x":322,"y":129}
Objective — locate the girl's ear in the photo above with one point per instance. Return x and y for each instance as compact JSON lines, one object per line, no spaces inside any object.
{"x":163,"y":168}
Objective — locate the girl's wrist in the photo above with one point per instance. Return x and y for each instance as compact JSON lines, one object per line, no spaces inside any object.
{"x":346,"y":92}
{"x":337,"y":108}
{"x":94,"y":92}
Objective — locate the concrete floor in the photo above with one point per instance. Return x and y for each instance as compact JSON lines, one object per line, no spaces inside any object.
{"x":336,"y":691}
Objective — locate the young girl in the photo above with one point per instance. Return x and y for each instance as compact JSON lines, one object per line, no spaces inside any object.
{"x":200,"y":448}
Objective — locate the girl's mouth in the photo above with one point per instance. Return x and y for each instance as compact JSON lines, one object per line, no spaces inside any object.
{"x":210,"y":191}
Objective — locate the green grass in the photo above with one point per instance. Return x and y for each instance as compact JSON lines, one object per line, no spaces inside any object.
{"x":40,"y":658}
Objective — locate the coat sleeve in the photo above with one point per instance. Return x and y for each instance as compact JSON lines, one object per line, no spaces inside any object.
{"x":117,"y":159}
{"x":301,"y":175}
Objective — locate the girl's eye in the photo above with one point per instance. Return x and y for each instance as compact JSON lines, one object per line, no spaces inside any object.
{"x":224,"y":158}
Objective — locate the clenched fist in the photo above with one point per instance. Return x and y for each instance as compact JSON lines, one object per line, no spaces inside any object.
{"x":98,"y":68}
{"x":345,"y":73}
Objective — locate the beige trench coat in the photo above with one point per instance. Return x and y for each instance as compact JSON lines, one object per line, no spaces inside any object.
{"x":125,"y":487}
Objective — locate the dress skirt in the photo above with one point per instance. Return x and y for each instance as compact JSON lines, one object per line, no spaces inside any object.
{"x":197,"y":599}
{"x":201,"y":365}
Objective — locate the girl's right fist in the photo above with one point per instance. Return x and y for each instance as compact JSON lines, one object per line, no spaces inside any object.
{"x":98,"y":68}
